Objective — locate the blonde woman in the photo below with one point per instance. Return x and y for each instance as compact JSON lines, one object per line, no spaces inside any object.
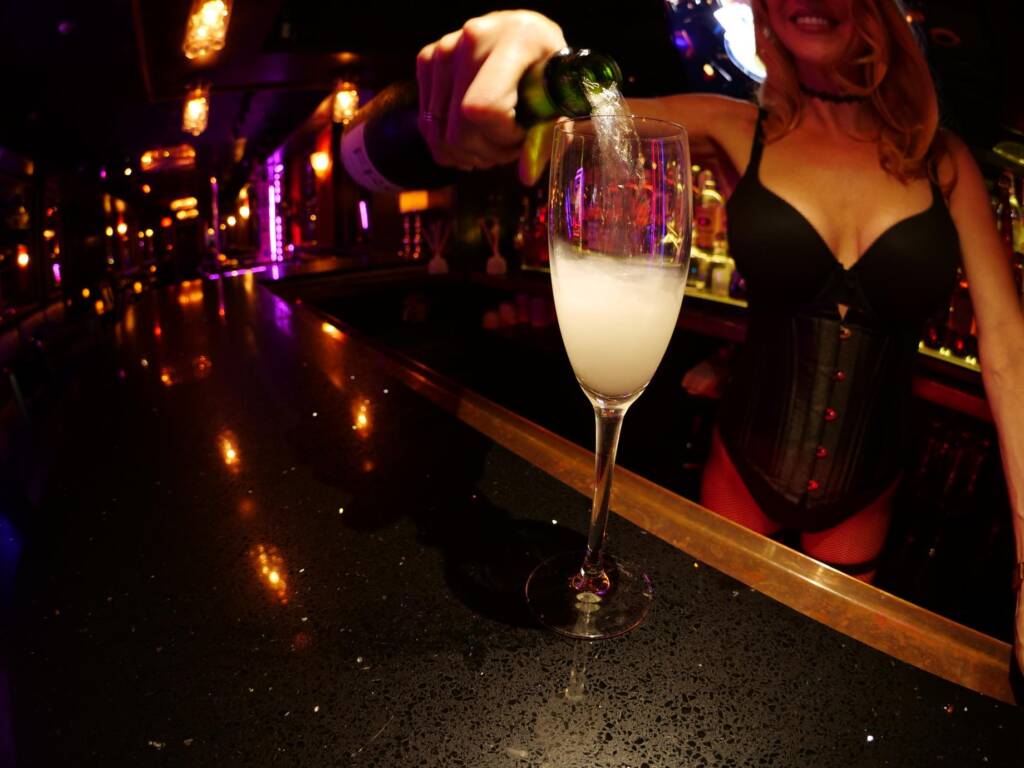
{"x":851,"y":215}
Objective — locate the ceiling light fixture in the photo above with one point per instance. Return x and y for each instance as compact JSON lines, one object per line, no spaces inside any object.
{"x":207,"y":28}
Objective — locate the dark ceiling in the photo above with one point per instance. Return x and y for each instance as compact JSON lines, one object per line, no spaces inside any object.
{"x":97,"y":82}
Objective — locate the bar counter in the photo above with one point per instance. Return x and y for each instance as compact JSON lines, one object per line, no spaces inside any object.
{"x":262,"y":539}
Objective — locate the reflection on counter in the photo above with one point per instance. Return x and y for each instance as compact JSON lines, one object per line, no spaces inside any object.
{"x":228,"y":445}
{"x":272,"y":571}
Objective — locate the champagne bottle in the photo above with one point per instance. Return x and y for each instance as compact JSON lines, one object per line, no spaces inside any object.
{"x":382,"y":148}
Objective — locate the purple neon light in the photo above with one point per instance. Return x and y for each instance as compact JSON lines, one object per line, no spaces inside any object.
{"x":364,"y":215}
{"x":275,"y":226}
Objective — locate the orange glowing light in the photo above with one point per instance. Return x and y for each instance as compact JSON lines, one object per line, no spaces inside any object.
{"x":361,"y":414}
{"x":231,"y":220}
{"x":122,"y":229}
{"x":137,"y":286}
{"x":146,"y":189}
{"x":23,"y":258}
{"x":86,"y":293}
{"x":188,"y":213}
{"x":165,"y":222}
{"x":229,"y":451}
{"x":331,"y":331}
{"x":178,"y":157}
{"x":207,"y":28}
{"x":152,"y":268}
{"x":243,"y":211}
{"x":345,"y":104}
{"x":321,"y":162}
{"x":166,"y":378}
{"x":183,"y":202}
{"x":413,"y":200}
{"x":99,"y":306}
{"x":109,"y":231}
{"x":196,"y":115}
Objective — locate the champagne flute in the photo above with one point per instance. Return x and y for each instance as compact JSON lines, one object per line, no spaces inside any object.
{"x":619,"y":233}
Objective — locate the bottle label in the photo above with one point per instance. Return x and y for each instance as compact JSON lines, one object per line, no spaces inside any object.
{"x":708,"y":221}
{"x":358,"y":164}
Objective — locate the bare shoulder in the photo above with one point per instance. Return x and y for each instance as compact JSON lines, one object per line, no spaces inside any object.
{"x":734,"y":130}
{"x":958,"y":173}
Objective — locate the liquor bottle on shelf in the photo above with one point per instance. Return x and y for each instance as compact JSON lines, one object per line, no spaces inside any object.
{"x":1008,"y":212}
{"x":382,"y":148}
{"x":961,"y":338}
{"x":417,"y":237}
{"x":535,"y":252}
{"x":709,"y":214}
{"x":934,"y":330}
{"x":1010,"y":223}
{"x":695,"y":171}
{"x":406,"y":250}
{"x":720,"y":273}
{"x":522,"y":228}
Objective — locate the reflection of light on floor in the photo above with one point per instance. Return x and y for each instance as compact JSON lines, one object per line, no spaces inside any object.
{"x":331,"y":331}
{"x":170,"y":376}
{"x":229,"y":450}
{"x":272,"y":571}
{"x":283,"y":316}
{"x":361,"y":412}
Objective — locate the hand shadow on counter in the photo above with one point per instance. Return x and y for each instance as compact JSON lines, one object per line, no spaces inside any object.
{"x":488,"y":553}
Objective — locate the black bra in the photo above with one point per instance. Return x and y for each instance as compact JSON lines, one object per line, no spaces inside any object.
{"x":815,"y":414}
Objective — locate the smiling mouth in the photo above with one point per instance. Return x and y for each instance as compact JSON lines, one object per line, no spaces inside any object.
{"x":808,"y":22}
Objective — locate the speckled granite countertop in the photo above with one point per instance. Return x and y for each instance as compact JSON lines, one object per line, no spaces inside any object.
{"x":253,"y":547}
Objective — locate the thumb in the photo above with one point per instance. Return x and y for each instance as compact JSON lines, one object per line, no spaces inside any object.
{"x":536,"y":152}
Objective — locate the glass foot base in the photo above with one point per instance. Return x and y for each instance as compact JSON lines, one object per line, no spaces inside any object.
{"x":557,"y":600}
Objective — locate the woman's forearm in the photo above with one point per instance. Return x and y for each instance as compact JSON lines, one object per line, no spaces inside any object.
{"x":1003,"y":375}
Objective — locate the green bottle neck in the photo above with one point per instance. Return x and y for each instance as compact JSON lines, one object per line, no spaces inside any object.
{"x":556,"y":87}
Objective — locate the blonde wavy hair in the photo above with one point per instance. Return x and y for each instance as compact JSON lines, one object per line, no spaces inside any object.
{"x":885,"y":65}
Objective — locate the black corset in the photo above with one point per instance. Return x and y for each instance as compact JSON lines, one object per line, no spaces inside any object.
{"x":815,"y":417}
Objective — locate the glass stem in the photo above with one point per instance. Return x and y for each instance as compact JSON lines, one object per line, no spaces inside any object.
{"x":608,"y":425}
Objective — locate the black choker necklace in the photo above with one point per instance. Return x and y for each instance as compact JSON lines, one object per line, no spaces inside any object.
{"x":833,"y":98}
